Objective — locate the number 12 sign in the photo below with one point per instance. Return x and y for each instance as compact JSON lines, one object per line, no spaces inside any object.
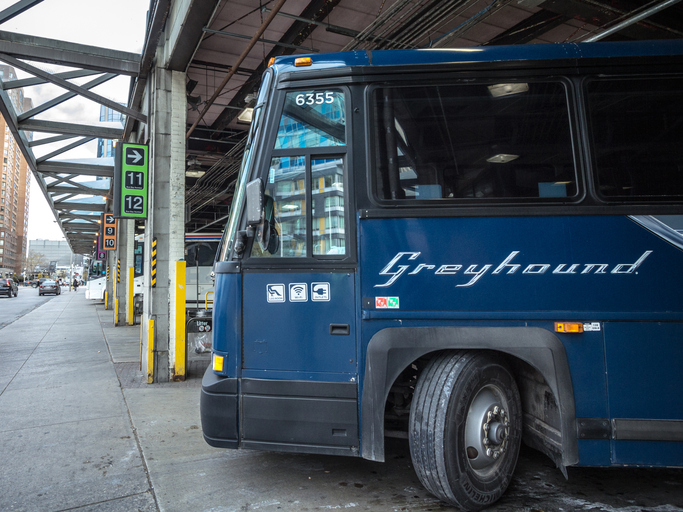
{"x":131,"y":180}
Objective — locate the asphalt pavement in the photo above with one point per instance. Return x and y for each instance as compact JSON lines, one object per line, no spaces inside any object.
{"x":81,"y":430}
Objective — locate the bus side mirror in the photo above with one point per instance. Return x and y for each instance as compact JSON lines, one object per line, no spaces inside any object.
{"x":260,"y":219}
{"x":254,"y":202}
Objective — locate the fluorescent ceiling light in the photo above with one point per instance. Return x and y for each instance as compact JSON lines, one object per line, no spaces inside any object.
{"x":500,"y":90}
{"x":245,"y":115}
{"x":502,"y":158}
{"x":194,"y":173}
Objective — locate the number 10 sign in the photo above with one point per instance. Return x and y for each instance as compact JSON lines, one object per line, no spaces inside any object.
{"x":130,"y":180}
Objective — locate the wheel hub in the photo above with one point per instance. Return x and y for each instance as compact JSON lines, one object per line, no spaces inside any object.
{"x":487,"y":429}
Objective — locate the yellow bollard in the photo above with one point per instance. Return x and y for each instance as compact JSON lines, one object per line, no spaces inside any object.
{"x":131,"y":293}
{"x":150,"y":352}
{"x":180,"y":298}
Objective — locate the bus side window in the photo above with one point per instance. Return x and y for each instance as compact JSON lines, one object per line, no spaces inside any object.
{"x":637,"y":135}
{"x":473,"y":141}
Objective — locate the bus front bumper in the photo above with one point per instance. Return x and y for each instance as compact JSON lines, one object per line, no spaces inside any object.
{"x":218,"y":409}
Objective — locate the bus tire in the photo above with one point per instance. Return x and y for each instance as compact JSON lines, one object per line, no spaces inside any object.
{"x":458,"y":397}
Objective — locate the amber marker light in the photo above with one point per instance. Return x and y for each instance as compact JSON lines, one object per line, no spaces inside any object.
{"x":569,"y":327}
{"x":271,"y":61}
{"x":303,"y":61}
{"x":217,"y":363}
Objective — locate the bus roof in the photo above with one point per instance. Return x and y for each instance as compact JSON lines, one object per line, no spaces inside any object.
{"x":483,"y":54}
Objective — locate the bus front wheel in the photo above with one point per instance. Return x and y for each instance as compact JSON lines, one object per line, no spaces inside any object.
{"x":465,"y":428}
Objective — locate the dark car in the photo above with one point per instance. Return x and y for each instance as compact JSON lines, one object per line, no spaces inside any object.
{"x":36,"y":282}
{"x":8,"y":287}
{"x":49,"y":287}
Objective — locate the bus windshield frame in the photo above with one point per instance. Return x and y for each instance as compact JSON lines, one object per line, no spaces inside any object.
{"x":248,"y":160}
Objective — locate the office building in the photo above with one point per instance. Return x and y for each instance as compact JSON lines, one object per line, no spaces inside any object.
{"x":15,"y":187}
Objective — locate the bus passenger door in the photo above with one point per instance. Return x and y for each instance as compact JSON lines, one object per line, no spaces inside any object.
{"x":299,"y":300}
{"x":299,"y":357}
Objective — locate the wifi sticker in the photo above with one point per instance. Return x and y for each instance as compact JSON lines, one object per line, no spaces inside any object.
{"x":298,"y":292}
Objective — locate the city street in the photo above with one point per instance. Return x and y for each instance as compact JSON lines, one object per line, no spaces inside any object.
{"x":28,"y":299}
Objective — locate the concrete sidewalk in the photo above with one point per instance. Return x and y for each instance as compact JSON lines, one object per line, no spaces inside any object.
{"x":81,"y":430}
{"x":77,"y":415}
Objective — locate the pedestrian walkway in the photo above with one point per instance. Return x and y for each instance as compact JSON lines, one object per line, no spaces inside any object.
{"x":76,"y":416}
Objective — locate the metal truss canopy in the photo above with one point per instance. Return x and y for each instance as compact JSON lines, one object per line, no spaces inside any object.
{"x":75,"y":203}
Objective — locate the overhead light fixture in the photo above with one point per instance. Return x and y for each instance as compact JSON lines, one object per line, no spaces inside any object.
{"x":194,"y":169}
{"x":502,"y":158}
{"x":246,"y":115}
{"x":500,"y":90}
{"x":197,"y":173}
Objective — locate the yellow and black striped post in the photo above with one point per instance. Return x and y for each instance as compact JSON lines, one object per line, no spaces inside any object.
{"x":107,"y":273}
{"x":118,"y":270}
{"x":154,"y":263}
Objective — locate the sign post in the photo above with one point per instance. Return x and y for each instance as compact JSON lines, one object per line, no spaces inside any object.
{"x":131,"y":178}
{"x":109,"y":232}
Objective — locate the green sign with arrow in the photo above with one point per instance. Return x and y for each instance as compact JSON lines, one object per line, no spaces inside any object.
{"x":131,"y":178}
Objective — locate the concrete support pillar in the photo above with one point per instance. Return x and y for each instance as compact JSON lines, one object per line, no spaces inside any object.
{"x":166,"y":221}
{"x":125,"y":254}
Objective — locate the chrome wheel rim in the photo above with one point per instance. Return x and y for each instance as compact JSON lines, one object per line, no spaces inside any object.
{"x":487,"y":429}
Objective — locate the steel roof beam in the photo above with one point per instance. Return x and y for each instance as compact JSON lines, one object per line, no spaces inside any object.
{"x":61,"y":189}
{"x":49,"y":140}
{"x":64,"y":97}
{"x":49,"y":168}
{"x":81,"y":91}
{"x":16,"y":9}
{"x":28,"y":82}
{"x":41,"y":49}
{"x":80,"y":229}
{"x":102,"y":132}
{"x":79,"y":207}
{"x":67,"y":216}
{"x":64,"y":149}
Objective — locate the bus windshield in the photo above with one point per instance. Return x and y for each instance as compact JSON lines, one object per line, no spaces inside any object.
{"x":247,"y":163}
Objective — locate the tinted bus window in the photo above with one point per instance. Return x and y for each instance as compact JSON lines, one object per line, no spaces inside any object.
{"x":637,"y":134}
{"x":473,"y":142}
{"x":307,"y":190}
{"x":200,"y":254}
{"x":312,"y":119}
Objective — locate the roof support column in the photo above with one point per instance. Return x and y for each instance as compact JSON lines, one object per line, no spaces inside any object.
{"x":166,"y":220}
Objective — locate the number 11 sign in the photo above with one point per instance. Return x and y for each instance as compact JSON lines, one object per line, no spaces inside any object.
{"x":131,"y":180}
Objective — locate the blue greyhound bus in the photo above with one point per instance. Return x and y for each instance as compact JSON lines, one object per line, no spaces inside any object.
{"x":467,"y":248}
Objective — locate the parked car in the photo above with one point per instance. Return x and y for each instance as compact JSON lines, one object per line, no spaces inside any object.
{"x":49,"y":287}
{"x":8,"y":287}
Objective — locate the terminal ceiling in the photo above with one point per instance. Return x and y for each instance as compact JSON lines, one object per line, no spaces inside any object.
{"x":224,"y":47}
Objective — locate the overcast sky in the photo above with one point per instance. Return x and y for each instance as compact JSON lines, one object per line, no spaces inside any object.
{"x":117,"y":25}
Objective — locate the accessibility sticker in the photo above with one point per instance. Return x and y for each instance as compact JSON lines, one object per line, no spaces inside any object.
{"x":275,"y":292}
